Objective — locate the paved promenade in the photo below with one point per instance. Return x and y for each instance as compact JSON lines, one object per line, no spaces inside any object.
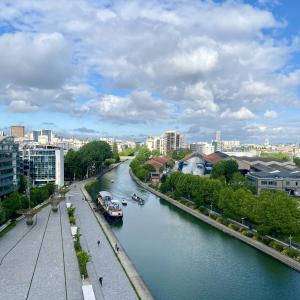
{"x":39,"y":262}
{"x":104,"y":263}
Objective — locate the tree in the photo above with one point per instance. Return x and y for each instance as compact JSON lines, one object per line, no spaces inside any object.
{"x":239,"y":181}
{"x":155,"y":152}
{"x":11,"y":204}
{"x":22,"y":184}
{"x":277,"y":214}
{"x":179,"y":154}
{"x":115,"y":152}
{"x":225,"y":168}
{"x":2,"y":215}
{"x":88,"y":159}
{"x":297,"y":161}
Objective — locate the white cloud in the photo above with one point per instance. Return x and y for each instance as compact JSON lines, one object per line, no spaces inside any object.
{"x":35,"y":60}
{"x":242,"y":114}
{"x":271,"y":114}
{"x":18,"y":106}
{"x":198,"y":58}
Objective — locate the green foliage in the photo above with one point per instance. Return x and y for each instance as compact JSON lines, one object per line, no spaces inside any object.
{"x":77,"y":244}
{"x":143,"y":154}
{"x":150,"y":168}
{"x":281,"y":156}
{"x":89,"y":159}
{"x":11,"y":204}
{"x":115,"y":152}
{"x":2,"y":215}
{"x":179,"y":154}
{"x":38,"y":195}
{"x":22,"y":184}
{"x":83,"y":258}
{"x":50,"y":186}
{"x":109,"y":162}
{"x":7,"y":229}
{"x":128,"y":152}
{"x":155,"y":152}
{"x":72,"y":220}
{"x":297,"y":161}
{"x":71,"y":211}
{"x":233,"y":226}
{"x":226,"y":168}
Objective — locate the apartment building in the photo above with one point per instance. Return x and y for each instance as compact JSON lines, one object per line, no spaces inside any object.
{"x":43,"y":163}
{"x":17,"y":131}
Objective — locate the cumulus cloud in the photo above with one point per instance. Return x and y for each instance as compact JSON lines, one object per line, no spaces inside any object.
{"x":242,"y":114}
{"x":271,"y":114}
{"x":184,"y":62}
{"x":34,"y":60}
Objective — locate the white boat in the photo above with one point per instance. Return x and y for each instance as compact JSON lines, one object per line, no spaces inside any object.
{"x":112,"y":208}
{"x":124,"y":202}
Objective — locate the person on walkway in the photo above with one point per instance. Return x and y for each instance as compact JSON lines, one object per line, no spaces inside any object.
{"x":98,"y":242}
{"x":100,"y":280}
{"x":116,"y":247}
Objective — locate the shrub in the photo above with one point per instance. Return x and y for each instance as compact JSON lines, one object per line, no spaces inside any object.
{"x":222,"y":220}
{"x":77,"y":244}
{"x":292,"y":253}
{"x":247,"y":233}
{"x":255,"y":238}
{"x":298,"y":258}
{"x":83,"y":258}
{"x":276,"y":246}
{"x":72,"y":220}
{"x":71,"y":211}
{"x":213,"y":216}
{"x":233,"y":226}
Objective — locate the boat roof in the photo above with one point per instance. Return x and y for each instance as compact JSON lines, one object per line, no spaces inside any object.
{"x":115,"y":201}
{"x":105,"y":194}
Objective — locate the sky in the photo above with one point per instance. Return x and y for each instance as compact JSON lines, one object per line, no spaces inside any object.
{"x":130,"y":69}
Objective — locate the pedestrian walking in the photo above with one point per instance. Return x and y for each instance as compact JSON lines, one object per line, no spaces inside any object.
{"x":100,"y":280}
{"x":98,"y":242}
{"x":118,"y":248}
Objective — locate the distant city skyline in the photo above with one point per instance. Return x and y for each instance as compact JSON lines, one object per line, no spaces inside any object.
{"x":131,"y":69}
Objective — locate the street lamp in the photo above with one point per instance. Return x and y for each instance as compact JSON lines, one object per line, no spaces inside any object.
{"x":290,"y":239}
{"x":243,"y":220}
{"x":211,"y":207}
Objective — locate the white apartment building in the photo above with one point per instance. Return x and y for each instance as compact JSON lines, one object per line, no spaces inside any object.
{"x":231,"y":144}
{"x":43,"y":163}
{"x":170,"y":140}
{"x":202,"y":148}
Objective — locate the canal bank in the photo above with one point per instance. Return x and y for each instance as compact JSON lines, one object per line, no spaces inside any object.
{"x":135,"y":279}
{"x":256,"y":244}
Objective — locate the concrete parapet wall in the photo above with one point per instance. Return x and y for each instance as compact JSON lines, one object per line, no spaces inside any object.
{"x":256,"y":244}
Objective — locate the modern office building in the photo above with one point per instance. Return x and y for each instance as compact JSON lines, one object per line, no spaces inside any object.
{"x":17,"y":131}
{"x":9,"y":165}
{"x":43,"y":163}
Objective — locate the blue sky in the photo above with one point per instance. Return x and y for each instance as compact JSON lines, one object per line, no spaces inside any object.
{"x":136,"y":68}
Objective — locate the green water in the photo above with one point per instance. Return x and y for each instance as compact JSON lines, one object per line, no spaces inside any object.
{"x":179,"y":257}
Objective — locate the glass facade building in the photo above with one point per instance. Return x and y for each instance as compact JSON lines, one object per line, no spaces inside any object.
{"x":9,"y":165}
{"x":43,"y":164}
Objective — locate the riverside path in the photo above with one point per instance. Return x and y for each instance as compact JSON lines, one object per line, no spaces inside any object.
{"x":39,"y":261}
{"x":103,"y":263}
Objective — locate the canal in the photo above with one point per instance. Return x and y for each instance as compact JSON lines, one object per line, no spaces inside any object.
{"x":180,"y":257}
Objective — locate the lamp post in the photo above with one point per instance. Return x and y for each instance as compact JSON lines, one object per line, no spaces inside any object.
{"x":211,"y":207}
{"x":243,"y":220}
{"x":290,"y":239}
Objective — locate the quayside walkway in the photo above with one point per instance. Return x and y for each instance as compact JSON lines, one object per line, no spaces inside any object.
{"x":104,"y":262}
{"x":39,"y":261}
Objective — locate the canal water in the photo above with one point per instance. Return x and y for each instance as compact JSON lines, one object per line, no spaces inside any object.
{"x":180,"y":257}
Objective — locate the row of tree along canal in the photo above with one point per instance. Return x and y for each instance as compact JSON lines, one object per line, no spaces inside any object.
{"x":180,"y":257}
